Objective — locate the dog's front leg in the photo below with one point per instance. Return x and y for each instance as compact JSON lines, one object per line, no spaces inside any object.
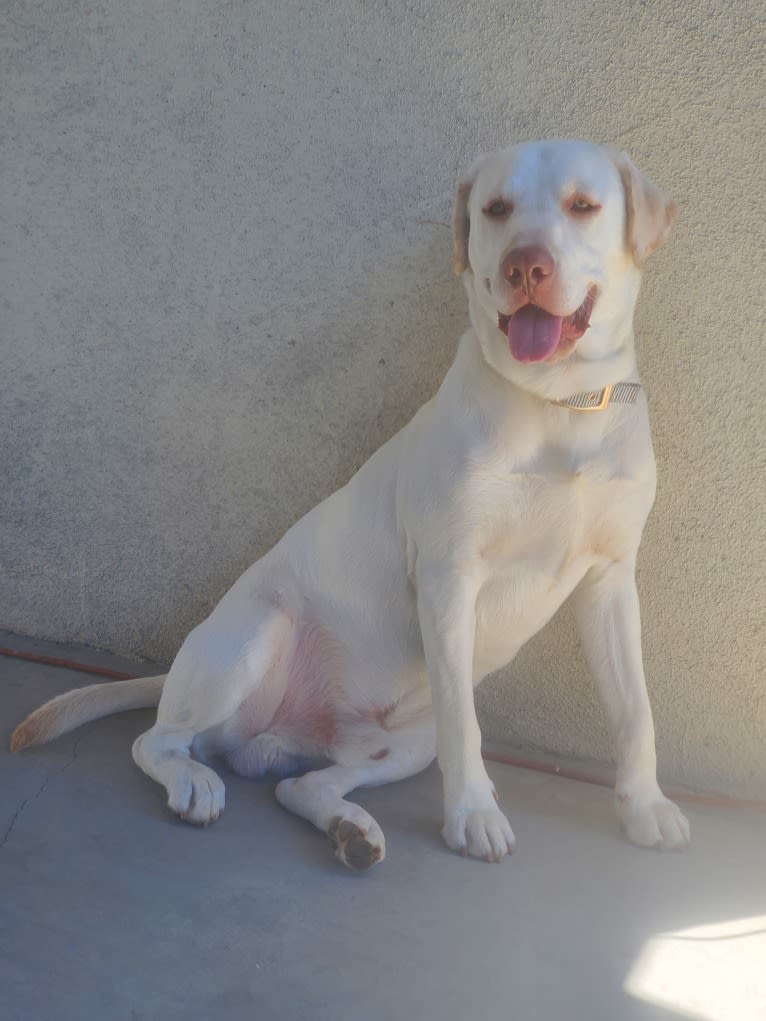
{"x":446,"y":608}
{"x":607,"y":612}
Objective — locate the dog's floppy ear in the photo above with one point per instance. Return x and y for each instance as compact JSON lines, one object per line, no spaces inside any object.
{"x":460,"y":226}
{"x":650,"y":212}
{"x":460,"y":219}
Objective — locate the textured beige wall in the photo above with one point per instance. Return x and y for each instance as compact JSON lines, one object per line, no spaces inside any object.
{"x":226,"y":280}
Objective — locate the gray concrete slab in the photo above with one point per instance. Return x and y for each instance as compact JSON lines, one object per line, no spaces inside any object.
{"x":111,"y":908}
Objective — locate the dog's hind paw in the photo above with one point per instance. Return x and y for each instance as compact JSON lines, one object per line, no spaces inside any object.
{"x":356,"y":848}
{"x":197,"y":794}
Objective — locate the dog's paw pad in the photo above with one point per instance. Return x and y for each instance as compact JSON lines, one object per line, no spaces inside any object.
{"x":356,"y":848}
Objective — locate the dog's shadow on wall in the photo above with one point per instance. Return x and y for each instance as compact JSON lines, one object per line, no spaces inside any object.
{"x":340,"y":383}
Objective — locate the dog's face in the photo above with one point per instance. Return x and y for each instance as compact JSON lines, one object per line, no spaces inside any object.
{"x":550,"y":238}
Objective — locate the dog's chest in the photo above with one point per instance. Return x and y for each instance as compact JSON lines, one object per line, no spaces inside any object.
{"x":546,"y":518}
{"x":540,"y":532}
{"x":550,"y":493}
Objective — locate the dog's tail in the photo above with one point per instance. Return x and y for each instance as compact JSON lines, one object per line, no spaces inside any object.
{"x":71,"y":710}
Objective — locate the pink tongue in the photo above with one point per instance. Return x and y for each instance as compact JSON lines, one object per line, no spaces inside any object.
{"x":533,"y":334}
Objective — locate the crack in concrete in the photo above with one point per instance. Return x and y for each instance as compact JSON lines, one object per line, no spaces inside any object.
{"x":28,"y":801}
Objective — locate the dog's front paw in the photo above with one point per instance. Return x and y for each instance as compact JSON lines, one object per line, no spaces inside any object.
{"x":483,"y":833}
{"x":652,"y":820}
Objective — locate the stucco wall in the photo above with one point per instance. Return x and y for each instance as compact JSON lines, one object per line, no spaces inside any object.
{"x":226,"y":280}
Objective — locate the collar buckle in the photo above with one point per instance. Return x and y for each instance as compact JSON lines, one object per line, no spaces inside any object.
{"x":589,"y":400}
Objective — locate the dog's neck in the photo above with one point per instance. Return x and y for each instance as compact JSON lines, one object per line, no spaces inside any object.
{"x":603,"y":357}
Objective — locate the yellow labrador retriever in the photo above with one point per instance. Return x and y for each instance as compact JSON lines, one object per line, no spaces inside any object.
{"x":353,"y":647}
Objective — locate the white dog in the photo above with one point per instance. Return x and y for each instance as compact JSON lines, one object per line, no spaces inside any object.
{"x":355,"y":644}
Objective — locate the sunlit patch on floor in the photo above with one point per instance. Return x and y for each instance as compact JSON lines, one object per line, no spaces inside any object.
{"x":711,"y":972}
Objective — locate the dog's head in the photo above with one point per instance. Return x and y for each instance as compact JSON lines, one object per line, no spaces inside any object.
{"x":550,"y":238}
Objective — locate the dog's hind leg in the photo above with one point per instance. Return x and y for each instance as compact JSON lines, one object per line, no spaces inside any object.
{"x":271,"y":755}
{"x":222,"y":662}
{"x":320,"y":796}
{"x":195,"y":791}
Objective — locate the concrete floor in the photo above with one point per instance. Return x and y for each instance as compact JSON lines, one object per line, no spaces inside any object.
{"x":112,"y":909}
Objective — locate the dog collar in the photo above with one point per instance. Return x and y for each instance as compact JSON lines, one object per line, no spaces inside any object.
{"x":597,"y":400}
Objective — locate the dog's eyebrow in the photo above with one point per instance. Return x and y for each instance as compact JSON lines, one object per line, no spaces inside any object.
{"x":584,"y":185}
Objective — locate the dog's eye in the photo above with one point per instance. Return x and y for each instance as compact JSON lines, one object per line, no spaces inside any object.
{"x":498,"y":209}
{"x":580,"y":205}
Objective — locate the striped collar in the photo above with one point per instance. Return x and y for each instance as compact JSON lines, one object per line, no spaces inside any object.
{"x":597,"y":400}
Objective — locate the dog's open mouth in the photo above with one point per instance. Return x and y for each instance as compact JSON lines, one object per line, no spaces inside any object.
{"x":534,"y":334}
